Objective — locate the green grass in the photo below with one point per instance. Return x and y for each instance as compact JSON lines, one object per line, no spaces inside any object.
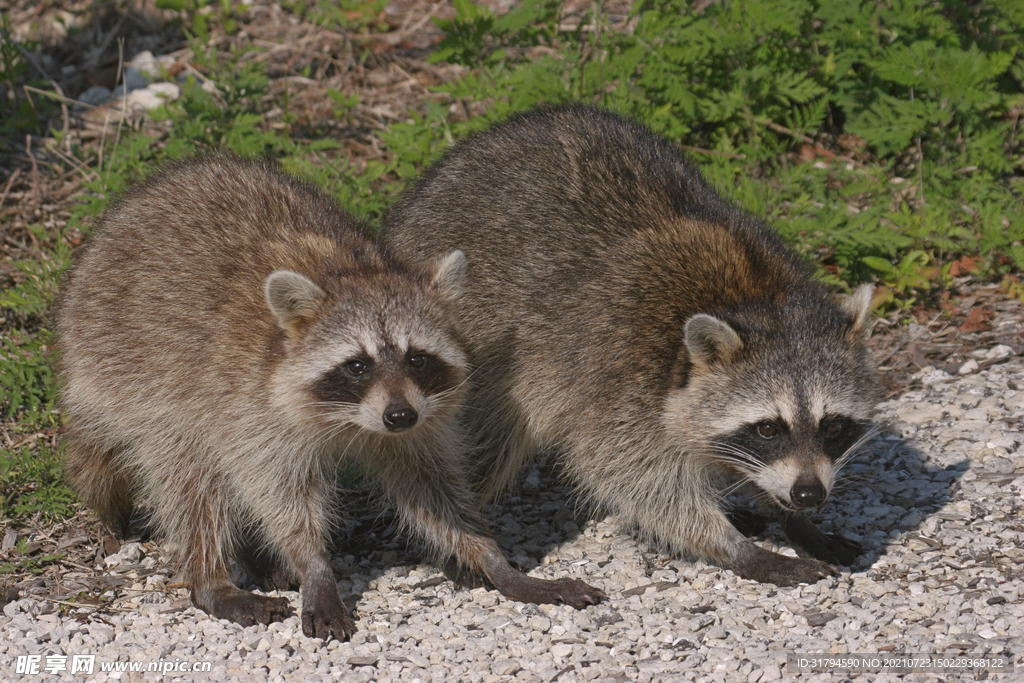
{"x":912,"y":108}
{"x":32,"y":481}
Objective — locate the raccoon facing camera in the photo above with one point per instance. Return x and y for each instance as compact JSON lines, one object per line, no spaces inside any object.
{"x":665,"y":341}
{"x":227,"y":337}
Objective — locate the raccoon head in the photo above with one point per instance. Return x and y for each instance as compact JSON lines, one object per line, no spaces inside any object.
{"x":781,"y":398}
{"x":379,"y":353}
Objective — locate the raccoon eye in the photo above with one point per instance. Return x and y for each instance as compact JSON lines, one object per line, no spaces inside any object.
{"x":767,"y":430}
{"x":357,"y":367}
{"x":418,"y":361}
{"x":834,"y":427}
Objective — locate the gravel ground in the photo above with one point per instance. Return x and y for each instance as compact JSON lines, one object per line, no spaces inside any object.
{"x":936,"y":499}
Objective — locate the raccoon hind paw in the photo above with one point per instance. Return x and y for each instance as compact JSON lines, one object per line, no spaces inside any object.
{"x":247,"y":609}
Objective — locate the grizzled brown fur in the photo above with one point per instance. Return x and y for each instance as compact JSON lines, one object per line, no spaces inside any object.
{"x":622,"y":312}
{"x":227,"y":336}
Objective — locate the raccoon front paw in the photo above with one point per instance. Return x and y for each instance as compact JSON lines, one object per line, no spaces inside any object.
{"x":247,"y":609}
{"x":831,"y":548}
{"x":809,"y":541}
{"x":325,"y":616}
{"x":768,"y":567}
{"x":572,"y":592}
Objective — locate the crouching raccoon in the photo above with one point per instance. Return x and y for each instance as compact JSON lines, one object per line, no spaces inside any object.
{"x":227,"y":336}
{"x":624,"y":313}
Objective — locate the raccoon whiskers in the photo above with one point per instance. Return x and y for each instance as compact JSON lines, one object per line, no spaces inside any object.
{"x":849,"y":481}
{"x":448,"y":398}
{"x":337,"y":409}
{"x":731,"y":454}
{"x":724,"y":493}
{"x":855,"y":448}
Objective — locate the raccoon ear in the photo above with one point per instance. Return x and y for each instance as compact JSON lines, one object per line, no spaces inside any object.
{"x":710,"y":340}
{"x":450,"y":275}
{"x":293,"y":298}
{"x":858,"y":307}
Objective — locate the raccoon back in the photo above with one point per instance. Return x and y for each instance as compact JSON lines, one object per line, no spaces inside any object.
{"x":165,"y":303}
{"x":600,"y":240}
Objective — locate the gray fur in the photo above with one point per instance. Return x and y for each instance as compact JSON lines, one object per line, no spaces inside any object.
{"x":201,"y":329}
{"x":620,"y":311}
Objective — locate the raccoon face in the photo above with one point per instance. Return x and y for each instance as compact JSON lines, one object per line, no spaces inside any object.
{"x":781,"y":398}
{"x":380,"y":354}
{"x":392,"y":389}
{"x":794,"y":464}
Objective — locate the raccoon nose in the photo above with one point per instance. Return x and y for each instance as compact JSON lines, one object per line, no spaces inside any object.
{"x":400,"y":418}
{"x":807,"y":495}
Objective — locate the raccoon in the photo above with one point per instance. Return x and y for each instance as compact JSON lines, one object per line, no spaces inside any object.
{"x":227,"y":337}
{"x":664,"y":341}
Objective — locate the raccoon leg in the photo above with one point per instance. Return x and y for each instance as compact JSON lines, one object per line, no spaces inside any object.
{"x":98,"y":474}
{"x":427,"y":487}
{"x":194,"y":512}
{"x":810,"y":541}
{"x":265,"y":570}
{"x":747,"y":521}
{"x":517,"y":586}
{"x":292,"y":509}
{"x":323,"y":613}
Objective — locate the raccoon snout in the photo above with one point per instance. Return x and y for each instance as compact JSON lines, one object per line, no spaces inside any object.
{"x":399,"y":418}
{"x":805,"y":496}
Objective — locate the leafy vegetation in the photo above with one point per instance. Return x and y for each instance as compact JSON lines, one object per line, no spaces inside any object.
{"x":911,"y":108}
{"x":18,"y":114}
{"x":31,"y":481}
{"x":882,"y":139}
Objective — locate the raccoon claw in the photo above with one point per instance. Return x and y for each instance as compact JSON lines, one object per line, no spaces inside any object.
{"x":577,"y":594}
{"x":768,"y":567}
{"x":335,"y":623}
{"x":241,"y":606}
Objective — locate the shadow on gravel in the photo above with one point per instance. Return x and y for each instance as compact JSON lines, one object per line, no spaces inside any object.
{"x":890,"y":489}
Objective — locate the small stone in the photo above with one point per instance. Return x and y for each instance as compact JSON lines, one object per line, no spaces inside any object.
{"x":700,"y":621}
{"x":819,"y":618}
{"x":541,"y":624}
{"x":561,"y":651}
{"x":146,"y":64}
{"x":505,"y":667}
{"x":717,"y":633}
{"x":362,"y":661}
{"x":999,"y":351}
{"x":968,"y":367}
{"x":921,"y":415}
{"x":95,"y":96}
{"x":418,"y":660}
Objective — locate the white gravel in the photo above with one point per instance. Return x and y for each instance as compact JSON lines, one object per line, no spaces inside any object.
{"x":936,"y":499}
